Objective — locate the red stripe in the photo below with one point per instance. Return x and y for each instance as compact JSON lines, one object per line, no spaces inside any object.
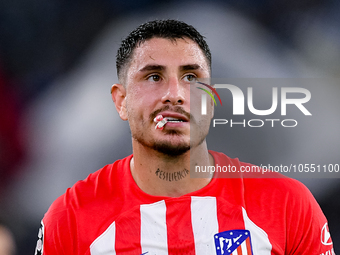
{"x":180,"y":234}
{"x":128,"y":233}
{"x":249,"y":252}
{"x":229,"y":216}
{"x":239,"y":250}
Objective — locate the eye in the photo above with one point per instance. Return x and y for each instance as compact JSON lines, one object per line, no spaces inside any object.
{"x":154,"y":77}
{"x":190,"y":78}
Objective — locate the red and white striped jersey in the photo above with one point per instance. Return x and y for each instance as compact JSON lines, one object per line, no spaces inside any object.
{"x":108,"y":214}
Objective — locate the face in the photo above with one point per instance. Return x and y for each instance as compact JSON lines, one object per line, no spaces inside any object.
{"x":158,"y":81}
{"x":7,"y":246}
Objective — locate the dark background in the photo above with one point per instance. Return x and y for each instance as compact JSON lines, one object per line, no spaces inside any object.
{"x":57,"y":64}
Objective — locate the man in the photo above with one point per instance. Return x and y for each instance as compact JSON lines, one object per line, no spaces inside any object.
{"x":147,"y":203}
{"x":7,"y":242}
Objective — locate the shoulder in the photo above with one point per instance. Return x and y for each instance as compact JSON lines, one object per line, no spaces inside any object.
{"x":270,"y":192}
{"x":85,"y":204}
{"x":283,"y":207}
{"x":97,"y":186}
{"x":258,"y":179}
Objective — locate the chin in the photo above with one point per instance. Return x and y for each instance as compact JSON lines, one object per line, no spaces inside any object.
{"x":171,"y":143}
{"x":171,"y":149}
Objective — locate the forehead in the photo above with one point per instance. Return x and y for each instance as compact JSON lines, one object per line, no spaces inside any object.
{"x":167,"y":52}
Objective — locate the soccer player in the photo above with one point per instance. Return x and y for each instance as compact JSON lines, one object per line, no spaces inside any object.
{"x":147,"y":203}
{"x":7,"y":242}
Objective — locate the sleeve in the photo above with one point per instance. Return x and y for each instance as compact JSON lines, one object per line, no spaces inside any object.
{"x":56,"y":231}
{"x":307,"y":227}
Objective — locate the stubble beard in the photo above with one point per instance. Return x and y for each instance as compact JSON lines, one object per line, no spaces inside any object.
{"x":166,"y":146}
{"x":174,"y":144}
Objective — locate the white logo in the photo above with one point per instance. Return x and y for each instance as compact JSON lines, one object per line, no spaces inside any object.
{"x":238,"y":100}
{"x":40,"y":247}
{"x":325,"y":235}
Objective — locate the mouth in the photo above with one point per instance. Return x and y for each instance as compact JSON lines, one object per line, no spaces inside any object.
{"x":171,"y":120}
{"x":174,"y":120}
{"x":174,"y":117}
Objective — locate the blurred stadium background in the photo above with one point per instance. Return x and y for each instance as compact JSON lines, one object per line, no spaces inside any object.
{"x":57,"y":64}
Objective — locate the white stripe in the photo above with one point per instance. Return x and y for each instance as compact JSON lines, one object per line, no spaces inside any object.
{"x":40,"y":243}
{"x":244,"y":247}
{"x":105,"y":243}
{"x":43,"y":237}
{"x":259,"y":238}
{"x":154,"y":238}
{"x":204,"y":224}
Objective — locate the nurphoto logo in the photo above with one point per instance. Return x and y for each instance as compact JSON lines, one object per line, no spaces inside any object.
{"x":239,"y":104}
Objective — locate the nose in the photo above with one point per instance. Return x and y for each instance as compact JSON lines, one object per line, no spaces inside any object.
{"x":174,"y":93}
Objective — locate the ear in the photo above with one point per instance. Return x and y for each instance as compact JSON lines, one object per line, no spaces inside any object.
{"x":118,"y":94}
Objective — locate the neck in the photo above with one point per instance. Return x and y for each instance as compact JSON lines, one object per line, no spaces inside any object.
{"x":162,"y":175}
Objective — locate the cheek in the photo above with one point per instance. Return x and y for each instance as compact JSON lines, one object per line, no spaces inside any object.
{"x":210,"y":108}
{"x":138,"y":104}
{"x":196,"y":105}
{"x":134,"y":97}
{"x":196,"y":109}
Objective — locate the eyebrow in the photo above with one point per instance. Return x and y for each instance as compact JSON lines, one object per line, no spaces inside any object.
{"x":162,"y":68}
{"x":190,"y":67}
{"x":152,"y":68}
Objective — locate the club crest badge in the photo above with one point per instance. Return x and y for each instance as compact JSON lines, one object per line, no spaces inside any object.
{"x":235,"y":242}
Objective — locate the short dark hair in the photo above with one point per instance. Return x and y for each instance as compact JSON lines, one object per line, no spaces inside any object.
{"x":168,"y":29}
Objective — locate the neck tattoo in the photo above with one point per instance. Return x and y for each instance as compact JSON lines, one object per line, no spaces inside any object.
{"x":171,"y":177}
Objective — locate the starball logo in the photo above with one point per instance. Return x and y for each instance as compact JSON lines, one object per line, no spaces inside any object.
{"x":239,"y":105}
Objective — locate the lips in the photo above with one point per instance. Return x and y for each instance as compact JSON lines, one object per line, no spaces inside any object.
{"x":170,"y":119}
{"x":174,"y":117}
